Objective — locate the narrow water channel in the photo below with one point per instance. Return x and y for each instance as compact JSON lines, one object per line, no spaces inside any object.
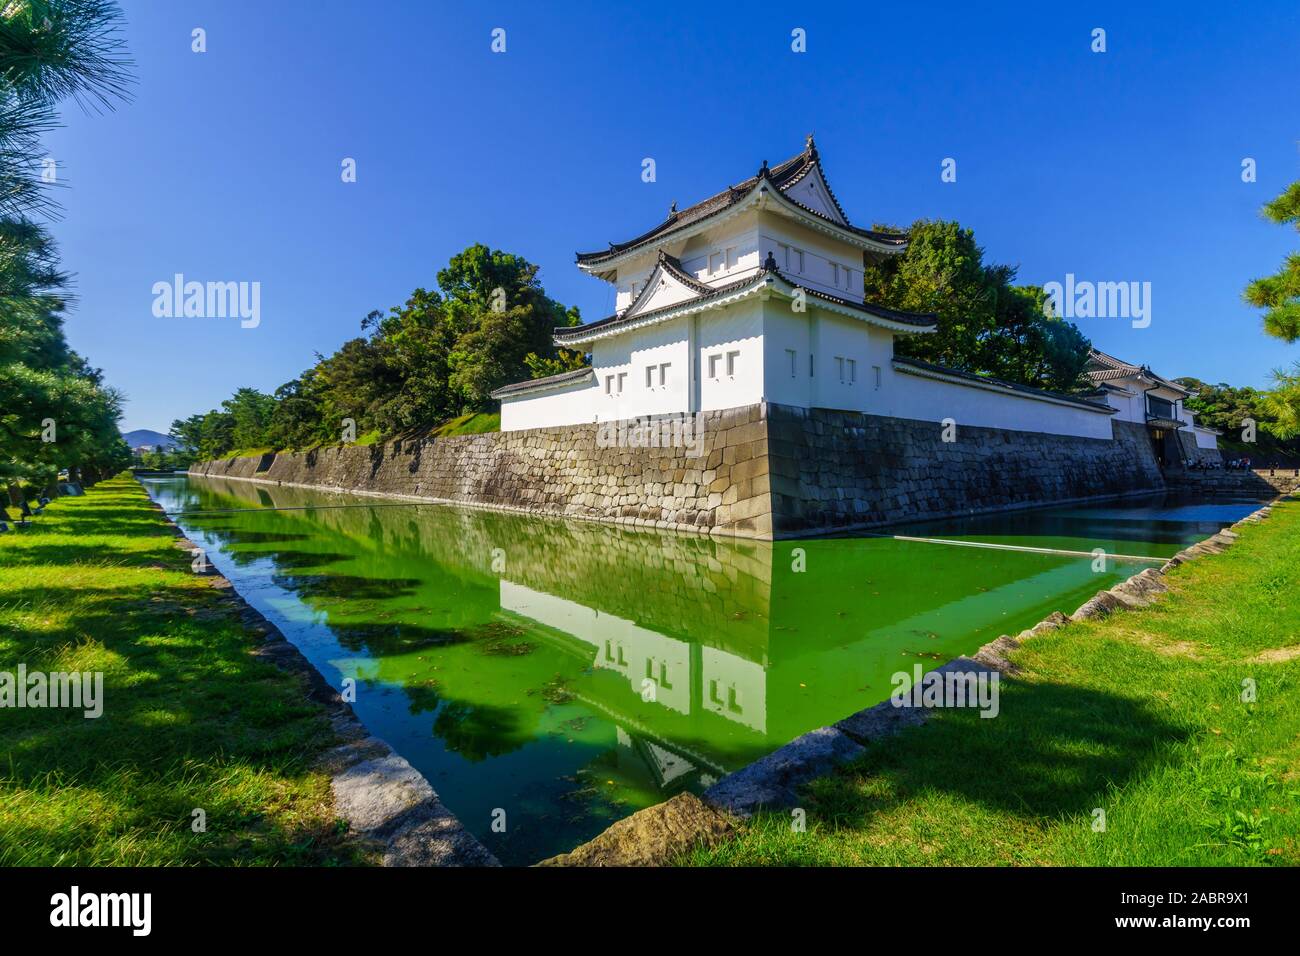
{"x":570,"y":673}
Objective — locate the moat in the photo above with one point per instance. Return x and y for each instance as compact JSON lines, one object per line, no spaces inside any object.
{"x":569,"y":673}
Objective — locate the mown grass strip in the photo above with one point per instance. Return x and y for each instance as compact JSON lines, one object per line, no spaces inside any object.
{"x":190,"y":722}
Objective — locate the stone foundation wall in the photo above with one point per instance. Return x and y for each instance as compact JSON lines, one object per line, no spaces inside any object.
{"x":561,"y":471}
{"x":833,"y":469}
{"x":1262,"y":483}
{"x":759,"y":471}
{"x":1194,"y":452}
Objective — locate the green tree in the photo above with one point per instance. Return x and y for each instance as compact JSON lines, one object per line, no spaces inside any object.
{"x":1223,"y":406}
{"x":1279,"y":293}
{"x":1282,"y":403}
{"x":986,"y":324}
{"x":296,"y":421}
{"x":1279,"y":296}
{"x":188,"y":433}
{"x":218,"y":435}
{"x":500,"y":315}
{"x":55,"y":409}
{"x":250,"y":412}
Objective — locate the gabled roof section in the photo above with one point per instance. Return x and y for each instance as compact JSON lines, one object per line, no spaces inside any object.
{"x":769,"y":278}
{"x":811,"y":191}
{"x":667,"y":285}
{"x":1107,"y":368}
{"x":800,"y":180}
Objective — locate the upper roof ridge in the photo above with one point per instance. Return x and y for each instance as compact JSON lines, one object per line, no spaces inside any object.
{"x":783,"y":176}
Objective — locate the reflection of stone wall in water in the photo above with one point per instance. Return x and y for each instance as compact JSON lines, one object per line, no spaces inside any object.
{"x":669,"y":582}
{"x":762,"y":469}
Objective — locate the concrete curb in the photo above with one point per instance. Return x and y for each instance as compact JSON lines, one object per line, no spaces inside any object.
{"x":390,"y":807}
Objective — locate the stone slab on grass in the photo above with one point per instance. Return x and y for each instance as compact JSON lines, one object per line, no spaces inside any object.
{"x":372,"y":794}
{"x":882,"y":720}
{"x":654,"y":836}
{"x":389,"y":803}
{"x":772,"y":781}
{"x":432,"y":836}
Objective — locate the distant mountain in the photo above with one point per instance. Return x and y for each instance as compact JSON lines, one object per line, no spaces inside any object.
{"x":145,"y":436}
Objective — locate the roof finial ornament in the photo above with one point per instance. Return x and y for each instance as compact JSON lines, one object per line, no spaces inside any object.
{"x":672,"y":210}
{"x":809,"y":144}
{"x":762,"y":170}
{"x":769,"y":264}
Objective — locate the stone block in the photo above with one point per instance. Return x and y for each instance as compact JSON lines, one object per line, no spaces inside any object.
{"x":773,"y":781}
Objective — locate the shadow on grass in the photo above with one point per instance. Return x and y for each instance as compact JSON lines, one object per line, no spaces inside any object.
{"x":1053,"y":750}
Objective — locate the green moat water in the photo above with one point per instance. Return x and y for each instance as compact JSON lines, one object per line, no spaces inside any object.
{"x":570,"y":673}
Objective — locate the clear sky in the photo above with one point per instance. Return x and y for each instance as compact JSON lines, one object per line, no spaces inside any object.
{"x":1115,"y":166}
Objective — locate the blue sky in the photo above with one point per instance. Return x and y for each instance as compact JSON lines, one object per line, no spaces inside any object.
{"x":226,"y":165}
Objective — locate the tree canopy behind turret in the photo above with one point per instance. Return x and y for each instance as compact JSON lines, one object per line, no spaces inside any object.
{"x":986,"y":325}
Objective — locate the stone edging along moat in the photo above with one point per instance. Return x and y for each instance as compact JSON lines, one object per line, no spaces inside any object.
{"x":388,"y":804}
{"x":654,"y":836}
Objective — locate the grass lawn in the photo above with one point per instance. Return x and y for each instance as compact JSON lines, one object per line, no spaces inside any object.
{"x":245,"y":453}
{"x":1139,"y":715}
{"x":190,"y":719}
{"x":473,"y":423}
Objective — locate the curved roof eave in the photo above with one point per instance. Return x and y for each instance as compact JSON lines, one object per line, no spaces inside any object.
{"x":771,"y":280}
{"x":865,"y":239}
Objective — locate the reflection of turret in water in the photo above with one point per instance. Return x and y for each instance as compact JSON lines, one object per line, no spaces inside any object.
{"x":690,"y":640}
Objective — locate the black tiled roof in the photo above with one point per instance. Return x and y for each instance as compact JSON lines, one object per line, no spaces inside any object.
{"x":673,"y":267}
{"x":1001,"y":383}
{"x":920,"y":320}
{"x":550,"y":380}
{"x":1108,"y":368}
{"x":563,"y":332}
{"x":782,"y":176}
